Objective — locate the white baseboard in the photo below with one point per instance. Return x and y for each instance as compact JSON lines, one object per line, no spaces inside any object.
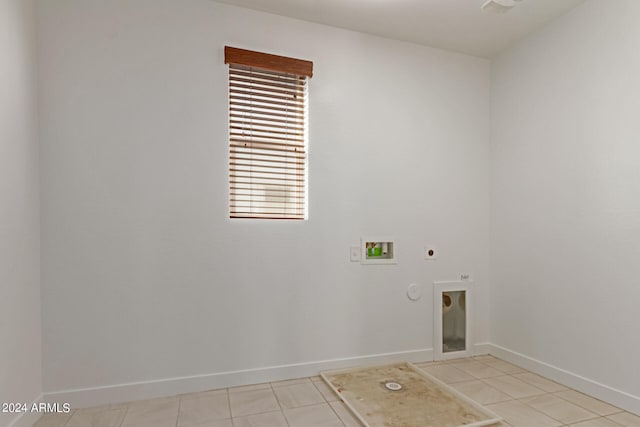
{"x":600,"y":391}
{"x":27,"y":419}
{"x":105,"y":395}
{"x":481,"y":348}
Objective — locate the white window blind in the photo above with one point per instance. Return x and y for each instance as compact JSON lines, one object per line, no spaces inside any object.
{"x":267,"y":135}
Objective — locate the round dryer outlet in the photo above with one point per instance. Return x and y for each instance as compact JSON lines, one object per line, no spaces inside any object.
{"x":414,"y":292}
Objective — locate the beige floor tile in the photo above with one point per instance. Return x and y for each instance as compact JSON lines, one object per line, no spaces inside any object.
{"x":328,"y":394}
{"x":53,"y":420}
{"x":152,"y":413}
{"x":478,"y":369}
{"x":513,"y":387}
{"x":203,"y":409}
{"x":448,"y":373}
{"x":559,"y":409}
{"x":97,"y":417}
{"x":105,"y":407}
{"x":345,"y":414}
{"x":458,"y":360}
{"x":294,"y":396}
{"x":540,"y":382}
{"x":253,"y":402}
{"x":481,"y":392}
{"x":313,"y":416}
{"x":422,"y":365}
{"x":520,"y":415}
{"x":218,"y":423}
{"x":587,"y":402}
{"x":251,"y":387}
{"x":626,"y":419}
{"x":270,"y":419}
{"x":598,"y":422}
{"x":218,"y":392}
{"x":290,"y":382}
{"x":484,"y":358}
{"x":505,"y":367}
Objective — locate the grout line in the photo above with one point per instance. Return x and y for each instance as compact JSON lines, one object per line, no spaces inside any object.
{"x":321,"y":394}
{"x":273,"y":390}
{"x":126,"y":412}
{"x":178,"y":414}
{"x":69,"y":419}
{"x":556,"y":393}
{"x":229,"y":404}
{"x":336,"y":414}
{"x":522,"y":400}
{"x":610,"y":420}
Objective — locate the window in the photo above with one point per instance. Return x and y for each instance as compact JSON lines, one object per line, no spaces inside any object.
{"x":267,"y":135}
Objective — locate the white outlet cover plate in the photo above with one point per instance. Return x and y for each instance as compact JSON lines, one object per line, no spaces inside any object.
{"x":414,"y":292}
{"x":427,"y":253}
{"x":354,"y":253}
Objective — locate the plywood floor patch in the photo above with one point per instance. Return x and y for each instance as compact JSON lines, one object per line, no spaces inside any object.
{"x":423,"y":401}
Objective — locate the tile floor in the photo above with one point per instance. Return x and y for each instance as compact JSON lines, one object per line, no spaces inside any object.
{"x":522,"y":398}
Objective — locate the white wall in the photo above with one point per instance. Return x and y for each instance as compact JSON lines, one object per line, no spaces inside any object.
{"x":146,"y":278}
{"x":20,"y":331}
{"x":566,"y":197}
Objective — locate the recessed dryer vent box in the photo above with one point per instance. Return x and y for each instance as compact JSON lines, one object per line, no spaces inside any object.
{"x":378,"y":250}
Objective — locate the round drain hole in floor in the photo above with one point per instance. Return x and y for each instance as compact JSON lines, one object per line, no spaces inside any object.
{"x":393,"y":386}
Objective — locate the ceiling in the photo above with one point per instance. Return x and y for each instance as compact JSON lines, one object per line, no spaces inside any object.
{"x":455,"y":25}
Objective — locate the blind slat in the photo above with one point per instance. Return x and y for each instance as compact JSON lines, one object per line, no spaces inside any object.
{"x":272,"y":199}
{"x":242,"y":187}
{"x":240,"y":167}
{"x":244,"y":118}
{"x":252,"y":87}
{"x":243,"y":157}
{"x":257,"y":74}
{"x":279,"y":175}
{"x":258,"y":96}
{"x":249,"y":130}
{"x":264,"y":166}
{"x":264,"y":124}
{"x":249,"y":188}
{"x":296,"y":107}
{"x":261,"y":216}
{"x":266,"y":146}
{"x":256,"y":109}
{"x":272,"y":85}
{"x":270,"y":138}
{"x":245,"y":205}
